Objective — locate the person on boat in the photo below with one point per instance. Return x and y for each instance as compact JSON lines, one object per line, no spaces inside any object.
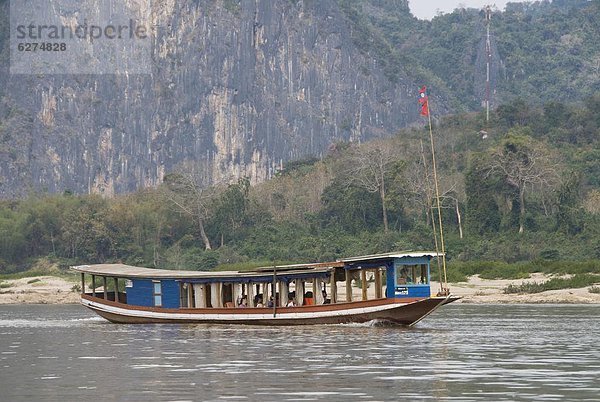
{"x":291,"y":303}
{"x":259,"y":302}
{"x":404,"y":274}
{"x":243,"y":302}
{"x":325,"y":299}
{"x":270,"y":303}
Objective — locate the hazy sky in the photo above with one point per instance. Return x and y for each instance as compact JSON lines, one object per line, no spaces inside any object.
{"x":427,"y":9}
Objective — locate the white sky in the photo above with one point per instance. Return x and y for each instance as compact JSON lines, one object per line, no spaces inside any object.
{"x":427,"y":9}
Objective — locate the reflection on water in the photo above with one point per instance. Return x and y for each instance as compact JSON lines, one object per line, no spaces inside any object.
{"x":465,"y":352}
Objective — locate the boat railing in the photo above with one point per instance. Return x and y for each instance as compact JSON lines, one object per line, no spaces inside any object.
{"x":110,"y":296}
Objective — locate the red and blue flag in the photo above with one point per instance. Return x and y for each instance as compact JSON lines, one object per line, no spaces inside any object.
{"x":423,"y":101}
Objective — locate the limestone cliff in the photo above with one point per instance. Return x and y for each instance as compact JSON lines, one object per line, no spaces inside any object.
{"x":243,"y":85}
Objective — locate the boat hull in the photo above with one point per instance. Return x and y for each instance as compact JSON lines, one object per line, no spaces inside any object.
{"x":398,"y":311}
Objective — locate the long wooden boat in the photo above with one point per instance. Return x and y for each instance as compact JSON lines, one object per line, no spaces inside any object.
{"x":393,"y":287}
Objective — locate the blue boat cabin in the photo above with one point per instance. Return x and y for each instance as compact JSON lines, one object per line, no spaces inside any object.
{"x":407,"y":275}
{"x":153,"y":293}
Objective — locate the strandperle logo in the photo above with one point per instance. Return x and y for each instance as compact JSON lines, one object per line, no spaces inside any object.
{"x":80,"y":37}
{"x":85,"y":31}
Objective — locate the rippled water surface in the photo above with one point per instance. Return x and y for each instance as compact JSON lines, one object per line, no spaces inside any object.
{"x":463,"y":352}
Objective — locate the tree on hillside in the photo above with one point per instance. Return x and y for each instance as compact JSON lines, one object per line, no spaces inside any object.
{"x":136,"y":223}
{"x":293,"y":194}
{"x":369,"y":167}
{"x":190,"y":191}
{"x":421,"y":188}
{"x":231,"y":209}
{"x":44,"y":219}
{"x":350,"y":208}
{"x":569,"y":208}
{"x":420,"y":184}
{"x":84,"y":233}
{"x":483,"y":214}
{"x":524,"y":164}
{"x":13,"y":239}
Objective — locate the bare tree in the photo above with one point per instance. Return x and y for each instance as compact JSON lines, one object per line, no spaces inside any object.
{"x":189,"y":189}
{"x":455,"y":205}
{"x":421,"y":189}
{"x":525,"y":164}
{"x":420,"y":185}
{"x":290,"y":196}
{"x":369,"y":167}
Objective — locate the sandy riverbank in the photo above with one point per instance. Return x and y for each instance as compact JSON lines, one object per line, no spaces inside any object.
{"x":38,"y":290}
{"x":478,"y":290}
{"x":54,"y":290}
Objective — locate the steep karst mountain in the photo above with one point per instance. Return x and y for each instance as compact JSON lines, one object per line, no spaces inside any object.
{"x":244,"y":86}
{"x":241,"y":85}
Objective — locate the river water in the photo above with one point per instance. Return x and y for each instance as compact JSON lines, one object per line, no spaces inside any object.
{"x":463,"y":352}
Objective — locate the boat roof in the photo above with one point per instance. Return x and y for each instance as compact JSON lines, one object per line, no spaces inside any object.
{"x":395,"y":254}
{"x":298,"y":266}
{"x":130,"y":271}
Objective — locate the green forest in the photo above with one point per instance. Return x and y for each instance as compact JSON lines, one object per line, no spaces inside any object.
{"x":542,"y":51}
{"x":519,"y":194}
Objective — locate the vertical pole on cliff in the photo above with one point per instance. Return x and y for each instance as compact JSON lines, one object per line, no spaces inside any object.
{"x":488,"y":50}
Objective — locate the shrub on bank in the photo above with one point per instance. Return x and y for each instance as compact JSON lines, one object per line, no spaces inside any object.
{"x":522,"y":270}
{"x":492,"y":269}
{"x":573,"y":282}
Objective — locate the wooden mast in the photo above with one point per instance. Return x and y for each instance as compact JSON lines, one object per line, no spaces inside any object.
{"x":433,"y":223}
{"x":445,"y":290}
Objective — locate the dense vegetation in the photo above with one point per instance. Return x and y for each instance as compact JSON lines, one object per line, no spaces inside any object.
{"x":527,"y":194}
{"x":521,"y":194}
{"x":542,"y":51}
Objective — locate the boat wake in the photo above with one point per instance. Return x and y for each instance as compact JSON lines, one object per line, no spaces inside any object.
{"x":26,"y":323}
{"x":374,"y":324}
{"x":87,"y":321}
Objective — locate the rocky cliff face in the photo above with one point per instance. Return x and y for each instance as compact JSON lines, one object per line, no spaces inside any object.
{"x":241,"y":85}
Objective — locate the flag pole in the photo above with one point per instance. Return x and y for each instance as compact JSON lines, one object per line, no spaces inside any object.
{"x":433,"y":222}
{"x":444,"y":289}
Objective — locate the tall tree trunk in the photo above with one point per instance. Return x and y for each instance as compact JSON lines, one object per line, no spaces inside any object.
{"x":522,"y":208}
{"x":203,"y":235}
{"x":383,"y":206}
{"x":460,"y":231}
{"x":52,"y":240}
{"x":156,"y":246}
{"x":429,"y":212}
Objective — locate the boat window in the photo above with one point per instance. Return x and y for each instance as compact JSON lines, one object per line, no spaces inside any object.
{"x":157,"y":294}
{"x":404,"y":275}
{"x":412,"y":274}
{"x":422,"y":274}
